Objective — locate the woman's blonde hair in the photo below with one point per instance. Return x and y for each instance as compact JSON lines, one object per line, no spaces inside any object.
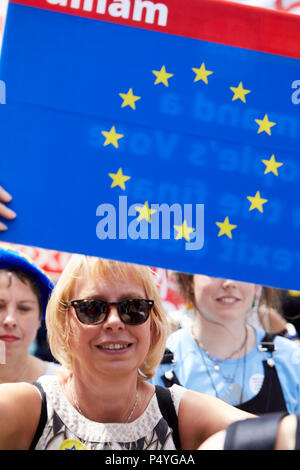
{"x":86,"y":267}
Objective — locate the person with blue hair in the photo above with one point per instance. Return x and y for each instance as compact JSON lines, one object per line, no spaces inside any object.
{"x":24,"y":293}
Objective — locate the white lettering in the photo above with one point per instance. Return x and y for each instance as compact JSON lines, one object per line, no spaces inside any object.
{"x":165,"y":211}
{"x":160,"y":224}
{"x":2,"y":92}
{"x":117,"y":460}
{"x":75,"y":4}
{"x":106,"y":228}
{"x":151,"y":9}
{"x":62,"y":3}
{"x":197,"y":237}
{"x":88,"y":5}
{"x":296,"y":94}
{"x":133,"y":233}
{"x":120,"y":8}
{"x":101,"y":6}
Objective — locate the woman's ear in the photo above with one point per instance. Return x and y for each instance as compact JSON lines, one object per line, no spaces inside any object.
{"x":257,"y":296}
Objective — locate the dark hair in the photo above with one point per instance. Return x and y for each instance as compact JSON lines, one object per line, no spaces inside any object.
{"x":26,"y":278}
{"x":271,"y":299}
{"x":185,"y":286}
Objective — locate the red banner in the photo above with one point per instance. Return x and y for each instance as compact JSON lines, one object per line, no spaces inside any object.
{"x":221,"y":22}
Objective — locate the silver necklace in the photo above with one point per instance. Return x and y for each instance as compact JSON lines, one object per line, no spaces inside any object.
{"x":227,"y":378}
{"x":219,"y":361}
{"x":75,"y":401}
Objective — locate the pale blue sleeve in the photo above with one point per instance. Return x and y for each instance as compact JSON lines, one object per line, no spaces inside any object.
{"x":287,"y":360}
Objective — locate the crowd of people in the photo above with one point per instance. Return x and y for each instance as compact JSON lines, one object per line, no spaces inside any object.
{"x":221,"y":348}
{"x":107,"y":329}
{"x":127,"y":375}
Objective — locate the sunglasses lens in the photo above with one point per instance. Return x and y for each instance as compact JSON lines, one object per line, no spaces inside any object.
{"x":91,"y":311}
{"x":132,"y":311}
{"x":135,"y":311}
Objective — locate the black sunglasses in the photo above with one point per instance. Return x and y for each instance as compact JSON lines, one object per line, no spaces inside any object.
{"x":95,"y":311}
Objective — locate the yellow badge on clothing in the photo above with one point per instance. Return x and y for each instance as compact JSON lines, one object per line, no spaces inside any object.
{"x":71,"y":444}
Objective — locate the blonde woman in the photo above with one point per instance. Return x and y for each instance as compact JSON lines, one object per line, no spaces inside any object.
{"x":108,"y":329}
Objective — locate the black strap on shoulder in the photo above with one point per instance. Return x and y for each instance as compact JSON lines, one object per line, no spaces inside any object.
{"x":169,"y":378}
{"x":168,"y":357}
{"x":253,"y":433}
{"x":43,"y":416}
{"x":168,"y":411}
{"x":270,"y":398}
{"x":267,"y":343}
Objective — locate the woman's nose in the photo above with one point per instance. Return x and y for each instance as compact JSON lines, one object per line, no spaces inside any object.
{"x":228,"y":283}
{"x":113,"y":319}
{"x":9,"y":318}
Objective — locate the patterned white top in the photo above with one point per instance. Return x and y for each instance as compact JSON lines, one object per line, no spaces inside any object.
{"x":52,"y":368}
{"x":66,"y":429}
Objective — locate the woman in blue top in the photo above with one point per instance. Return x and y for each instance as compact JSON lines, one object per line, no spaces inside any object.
{"x":219,"y":353}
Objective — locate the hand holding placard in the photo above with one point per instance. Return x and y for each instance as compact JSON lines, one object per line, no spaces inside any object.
{"x":4,"y":210}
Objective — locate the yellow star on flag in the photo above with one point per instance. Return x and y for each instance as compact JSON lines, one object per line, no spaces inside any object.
{"x":145,"y":212}
{"x":118,"y":179}
{"x":239,"y":92}
{"x":129,"y":99}
{"x":111,"y":137}
{"x":183,"y":231}
{"x":272,"y":165}
{"x":256,"y":202}
{"x":265,"y":125}
{"x":225,"y":227}
{"x":202,"y":73}
{"x":162,"y":76}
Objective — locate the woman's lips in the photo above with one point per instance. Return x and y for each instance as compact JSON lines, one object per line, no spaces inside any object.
{"x":114,"y":347}
{"x":228,"y":300}
{"x":9,"y":338}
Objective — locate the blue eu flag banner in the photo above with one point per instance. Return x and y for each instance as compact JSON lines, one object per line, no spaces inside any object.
{"x":164,"y":133}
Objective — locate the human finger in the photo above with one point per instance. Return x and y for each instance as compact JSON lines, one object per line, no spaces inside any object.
{"x":4,"y":195}
{"x":6,"y":212}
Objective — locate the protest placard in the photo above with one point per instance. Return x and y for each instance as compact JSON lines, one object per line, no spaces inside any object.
{"x":155,"y":133}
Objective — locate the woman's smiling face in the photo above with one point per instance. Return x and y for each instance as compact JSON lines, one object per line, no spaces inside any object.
{"x":111,"y":347}
{"x":222,"y":299}
{"x":19,"y":314}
